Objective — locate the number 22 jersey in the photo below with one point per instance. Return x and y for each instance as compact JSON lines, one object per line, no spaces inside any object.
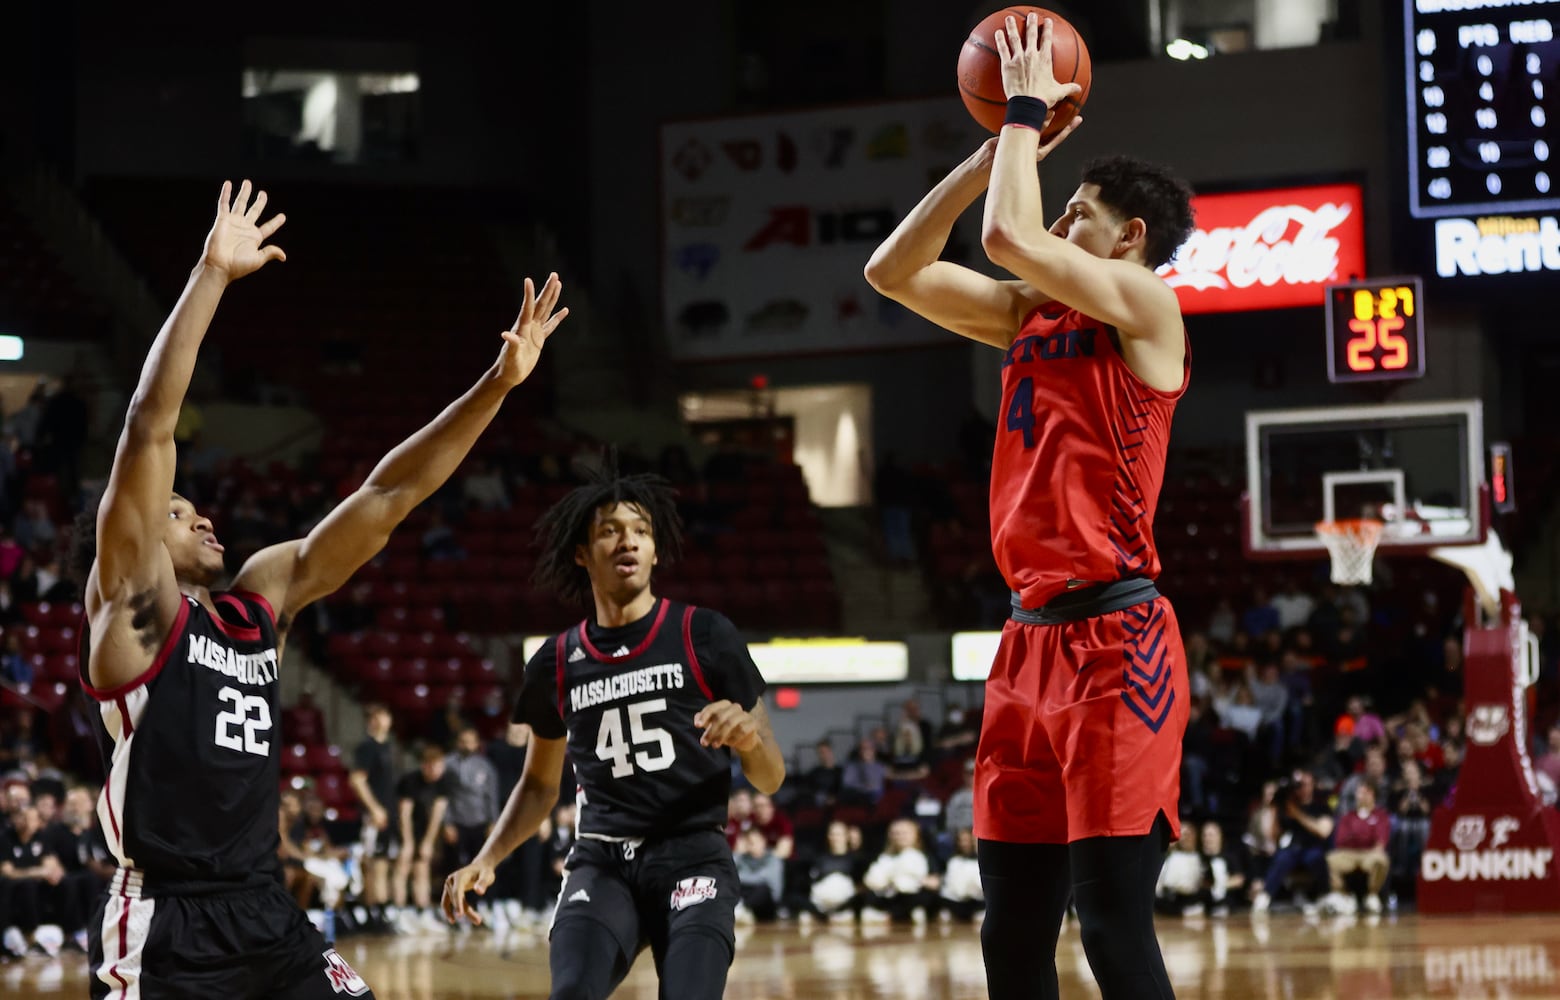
{"x":190,"y":751}
{"x":625,"y":698}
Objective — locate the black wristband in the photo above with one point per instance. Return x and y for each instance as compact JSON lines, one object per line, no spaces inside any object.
{"x":1029,"y":112}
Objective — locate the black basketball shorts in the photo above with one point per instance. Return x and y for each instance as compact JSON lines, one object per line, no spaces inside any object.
{"x":247,"y":944}
{"x":648,"y":892}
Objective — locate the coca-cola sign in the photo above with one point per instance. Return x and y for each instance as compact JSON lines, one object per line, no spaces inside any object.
{"x":1269,"y":249}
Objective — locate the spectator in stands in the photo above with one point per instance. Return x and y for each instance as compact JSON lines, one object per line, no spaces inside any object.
{"x":1373,"y":775}
{"x":473,"y":794}
{"x":438,"y":540}
{"x":959,"y":814}
{"x":909,"y":751}
{"x":373,"y":781}
{"x":1549,"y":761}
{"x":1306,"y":823}
{"x":831,"y":880}
{"x":557,"y":840}
{"x":35,"y":530}
{"x":53,"y":584}
{"x":959,"y":732}
{"x":762,"y":877}
{"x":10,"y":609}
{"x":1222,"y":872}
{"x":1411,"y":807}
{"x":35,"y":879}
{"x":1221,"y":624}
{"x":303,"y":722}
{"x":15,"y":668}
{"x":776,"y":827}
{"x":450,"y":720}
{"x":300,"y":882}
{"x":900,"y":883}
{"x":423,"y":799}
{"x":24,"y":422}
{"x":1368,"y":727}
{"x":24,"y":582}
{"x":483,"y":487}
{"x":1196,"y":758}
{"x":1272,"y":700}
{"x":823,"y":781}
{"x":1261,"y":839}
{"x":323,"y":857}
{"x":1293,"y":606}
{"x":962,"y":895}
{"x":864,"y":777}
{"x":1261,"y":617}
{"x":739,"y":815}
{"x":1360,"y":845}
{"x":1180,"y":886}
{"x":1237,"y":708}
{"x":516,"y":895}
{"x":84,"y":851}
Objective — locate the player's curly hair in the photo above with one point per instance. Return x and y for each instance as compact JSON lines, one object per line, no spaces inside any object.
{"x":566,"y":525}
{"x":1142,"y":190}
{"x":83,"y":546}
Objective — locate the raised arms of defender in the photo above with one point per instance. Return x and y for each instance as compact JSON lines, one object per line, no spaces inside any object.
{"x":293,"y":574}
{"x":131,"y":593}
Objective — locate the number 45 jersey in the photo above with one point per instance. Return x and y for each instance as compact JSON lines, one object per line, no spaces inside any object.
{"x":625,"y":699}
{"x":190,"y":750}
{"x":1079,"y":458}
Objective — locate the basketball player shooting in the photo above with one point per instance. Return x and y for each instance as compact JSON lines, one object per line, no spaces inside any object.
{"x":649,"y":698}
{"x":1078,"y":766}
{"x":186,"y":676}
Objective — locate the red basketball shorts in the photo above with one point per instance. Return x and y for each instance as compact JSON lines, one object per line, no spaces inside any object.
{"x":1081,"y":735}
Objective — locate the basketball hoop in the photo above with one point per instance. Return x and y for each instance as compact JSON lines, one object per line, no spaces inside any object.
{"x":1352,"y":545}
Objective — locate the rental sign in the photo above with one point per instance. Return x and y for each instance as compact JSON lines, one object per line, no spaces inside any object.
{"x":1272,"y":249}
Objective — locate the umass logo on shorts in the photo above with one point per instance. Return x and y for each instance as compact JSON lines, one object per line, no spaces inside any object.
{"x":343,"y":978}
{"x":691,"y":891}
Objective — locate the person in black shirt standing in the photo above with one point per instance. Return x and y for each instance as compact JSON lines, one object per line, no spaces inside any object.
{"x":373,"y":781}
{"x":649,"y":698}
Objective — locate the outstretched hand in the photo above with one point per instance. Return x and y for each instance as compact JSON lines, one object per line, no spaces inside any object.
{"x":1025,"y":52}
{"x":233,"y":247}
{"x":523,"y":342}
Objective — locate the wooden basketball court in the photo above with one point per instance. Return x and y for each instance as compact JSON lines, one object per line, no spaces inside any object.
{"x":1282,"y":958}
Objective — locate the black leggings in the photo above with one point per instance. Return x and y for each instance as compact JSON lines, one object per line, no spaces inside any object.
{"x":1111,"y":881}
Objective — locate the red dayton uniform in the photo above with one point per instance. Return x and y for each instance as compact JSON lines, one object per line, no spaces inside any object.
{"x":1084,"y":717}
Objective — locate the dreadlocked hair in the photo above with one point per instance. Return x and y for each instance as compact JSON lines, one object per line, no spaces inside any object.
{"x":566,"y":525}
{"x":83,"y":546}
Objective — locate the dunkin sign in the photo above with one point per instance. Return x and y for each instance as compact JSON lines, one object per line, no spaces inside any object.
{"x":1270,"y":249}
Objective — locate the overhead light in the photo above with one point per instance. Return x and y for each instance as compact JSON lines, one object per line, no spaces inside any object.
{"x":1183,"y":50}
{"x":10,"y":347}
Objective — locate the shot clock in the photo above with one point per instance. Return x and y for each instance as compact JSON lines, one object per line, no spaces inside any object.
{"x":1375,"y":330}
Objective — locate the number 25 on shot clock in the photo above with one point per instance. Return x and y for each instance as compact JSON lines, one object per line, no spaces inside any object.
{"x":1375,"y":330}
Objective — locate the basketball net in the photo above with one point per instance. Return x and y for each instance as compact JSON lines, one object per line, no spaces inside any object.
{"x":1352,"y":545}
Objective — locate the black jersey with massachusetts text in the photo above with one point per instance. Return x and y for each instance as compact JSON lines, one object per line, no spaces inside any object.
{"x":190,"y":749}
{"x":625,"y":699}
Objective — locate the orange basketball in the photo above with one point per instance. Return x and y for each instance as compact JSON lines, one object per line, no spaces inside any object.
{"x":980,"y":69}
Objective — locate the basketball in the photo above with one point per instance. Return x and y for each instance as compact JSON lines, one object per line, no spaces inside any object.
{"x":980,"y":69}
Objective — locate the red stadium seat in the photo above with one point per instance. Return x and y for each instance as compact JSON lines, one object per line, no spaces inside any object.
{"x":394,"y":619}
{"x":342,"y":646}
{"x":35,"y":613}
{"x":333,"y":789}
{"x":478,"y":671}
{"x":68,"y":614}
{"x":295,"y":759}
{"x":385,"y":643}
{"x":58,"y":640}
{"x":414,"y":670}
{"x":326,"y":758}
{"x":428,"y":619}
{"x":424,"y":644}
{"x":446,"y":671}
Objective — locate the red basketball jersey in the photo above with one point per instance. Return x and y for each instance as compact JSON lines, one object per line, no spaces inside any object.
{"x":1079,"y":458}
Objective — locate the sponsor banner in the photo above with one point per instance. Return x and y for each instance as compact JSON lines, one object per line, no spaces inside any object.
{"x":1497,"y":244}
{"x":812,"y":661}
{"x":1271,"y":249}
{"x":768,"y":220}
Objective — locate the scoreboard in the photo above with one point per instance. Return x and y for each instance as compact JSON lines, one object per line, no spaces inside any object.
{"x":1482,"y":81}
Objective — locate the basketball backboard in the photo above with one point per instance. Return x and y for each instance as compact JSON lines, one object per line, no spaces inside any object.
{"x":1417,"y":467}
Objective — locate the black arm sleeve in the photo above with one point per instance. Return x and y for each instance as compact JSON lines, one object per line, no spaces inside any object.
{"x":728,"y":666}
{"x":537,"y":705}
